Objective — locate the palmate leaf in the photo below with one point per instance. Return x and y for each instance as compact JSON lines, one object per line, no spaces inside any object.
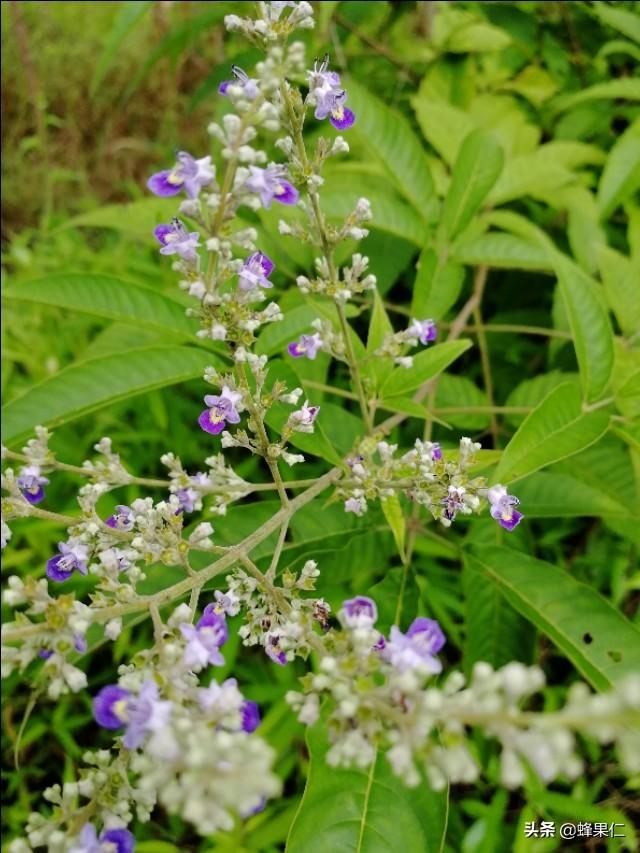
{"x":106,"y":296}
{"x":364,"y":811}
{"x":555,"y":429}
{"x":600,"y":642}
{"x":88,"y":386}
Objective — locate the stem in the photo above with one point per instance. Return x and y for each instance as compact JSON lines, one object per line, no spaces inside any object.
{"x":353,"y":367}
{"x":486,"y":367}
{"x":172,"y":593}
{"x":87,"y":472}
{"x":271,"y":573}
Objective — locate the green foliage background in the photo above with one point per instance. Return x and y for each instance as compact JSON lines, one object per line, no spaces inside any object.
{"x":493,"y":139}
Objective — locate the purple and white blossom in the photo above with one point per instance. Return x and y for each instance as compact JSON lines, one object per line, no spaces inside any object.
{"x":204,"y":640}
{"x":226,"y":602}
{"x":188,"y":174}
{"x":453,"y":502}
{"x":270,"y":184}
{"x":423,"y":330}
{"x":31,"y":483}
{"x":72,"y":558}
{"x":114,"y":707}
{"x":302,"y":419}
{"x":249,"y":86}
{"x":176,"y":240}
{"x":503,"y":507}
{"x":117,"y":840}
{"x":356,"y":505}
{"x":187,"y":498}
{"x":274,"y":650}
{"x":122,"y":519}
{"x":306,"y":345}
{"x":255,"y":272}
{"x":250,"y":716}
{"x":359,"y":612}
{"x":221,"y":410}
{"x":436,"y":452}
{"x":417,"y":648}
{"x":328,"y":96}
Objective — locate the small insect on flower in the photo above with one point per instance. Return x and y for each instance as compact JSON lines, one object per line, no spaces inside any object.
{"x":270,"y":184}
{"x":249,"y":86}
{"x":255,"y":272}
{"x":122,"y":519}
{"x":503,"y":507}
{"x":424,"y":330}
{"x":306,"y":346}
{"x":188,"y":174}
{"x":31,"y":482}
{"x":221,"y":410}
{"x":72,"y":558}
{"x":176,"y":240}
{"x":328,"y":95}
{"x":110,"y":841}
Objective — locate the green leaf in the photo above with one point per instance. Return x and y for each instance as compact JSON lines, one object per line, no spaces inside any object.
{"x":621,"y":279}
{"x":555,"y":429}
{"x":504,"y":251}
{"x":437,"y":286}
{"x":135,"y":219}
{"x":476,"y":170}
{"x":621,"y":175}
{"x":531,"y":392}
{"x":589,"y":323}
{"x":623,"y":20}
{"x":389,"y":135}
{"x":128,"y":16}
{"x":361,"y":810}
{"x":105,"y":296}
{"x":548,"y":494}
{"x":597,"y":639}
{"x":495,"y":632}
{"x":426,"y":365}
{"x":627,"y":88}
{"x":378,"y":367}
{"x":91,"y":385}
{"x":392,"y":510}
{"x":443,"y":126}
{"x":397,"y":598}
{"x":460,"y":393}
{"x":275,"y":337}
{"x":538,"y":174}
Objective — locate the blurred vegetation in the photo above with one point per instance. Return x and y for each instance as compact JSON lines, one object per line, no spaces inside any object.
{"x":97,"y":95}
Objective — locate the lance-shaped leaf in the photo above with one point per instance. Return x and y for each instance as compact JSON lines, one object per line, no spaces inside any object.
{"x":437,"y":286}
{"x":426,"y":365}
{"x":364,"y":810}
{"x":600,"y":642}
{"x":558,"y":427}
{"x":476,"y":170}
{"x":621,"y":174}
{"x":91,"y":385}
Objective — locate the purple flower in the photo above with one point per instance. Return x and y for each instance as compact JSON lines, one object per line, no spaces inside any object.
{"x":176,"y":240}
{"x":302,"y":419}
{"x":221,"y":410}
{"x":250,"y":716}
{"x":45,"y":654}
{"x":358,"y":506}
{"x":115,"y":707}
{"x":31,"y":482}
{"x":273,"y":649}
{"x":249,"y":86}
{"x":187,"y":498}
{"x":204,"y":641}
{"x":329,"y":96}
{"x":255,"y":272}
{"x":307,"y":346}
{"x":226,"y":602}
{"x":79,"y":643}
{"x":270,"y":184}
{"x":424,"y":330}
{"x":359,"y":612}
{"x":110,"y":841}
{"x":503,"y":507}
{"x":122,"y":519}
{"x":436,"y":452}
{"x":72,"y":558}
{"x":453,"y":502}
{"x":109,"y":706}
{"x":416,"y":648}
{"x":188,"y":174}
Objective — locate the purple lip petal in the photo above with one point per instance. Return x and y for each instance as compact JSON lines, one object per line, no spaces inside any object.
{"x":103,"y":706}
{"x":288,"y":193}
{"x":161,"y":231}
{"x":34,"y":497}
{"x":514,"y":521}
{"x":121,"y":839}
{"x":250,"y":716}
{"x":344,"y":121}
{"x":266,"y":263}
{"x":56,"y":574}
{"x":205,"y":423}
{"x":294,"y":350}
{"x":161,"y":186}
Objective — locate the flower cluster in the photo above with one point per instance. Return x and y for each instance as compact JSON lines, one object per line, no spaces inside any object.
{"x":418,"y":332}
{"x":445,"y":486}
